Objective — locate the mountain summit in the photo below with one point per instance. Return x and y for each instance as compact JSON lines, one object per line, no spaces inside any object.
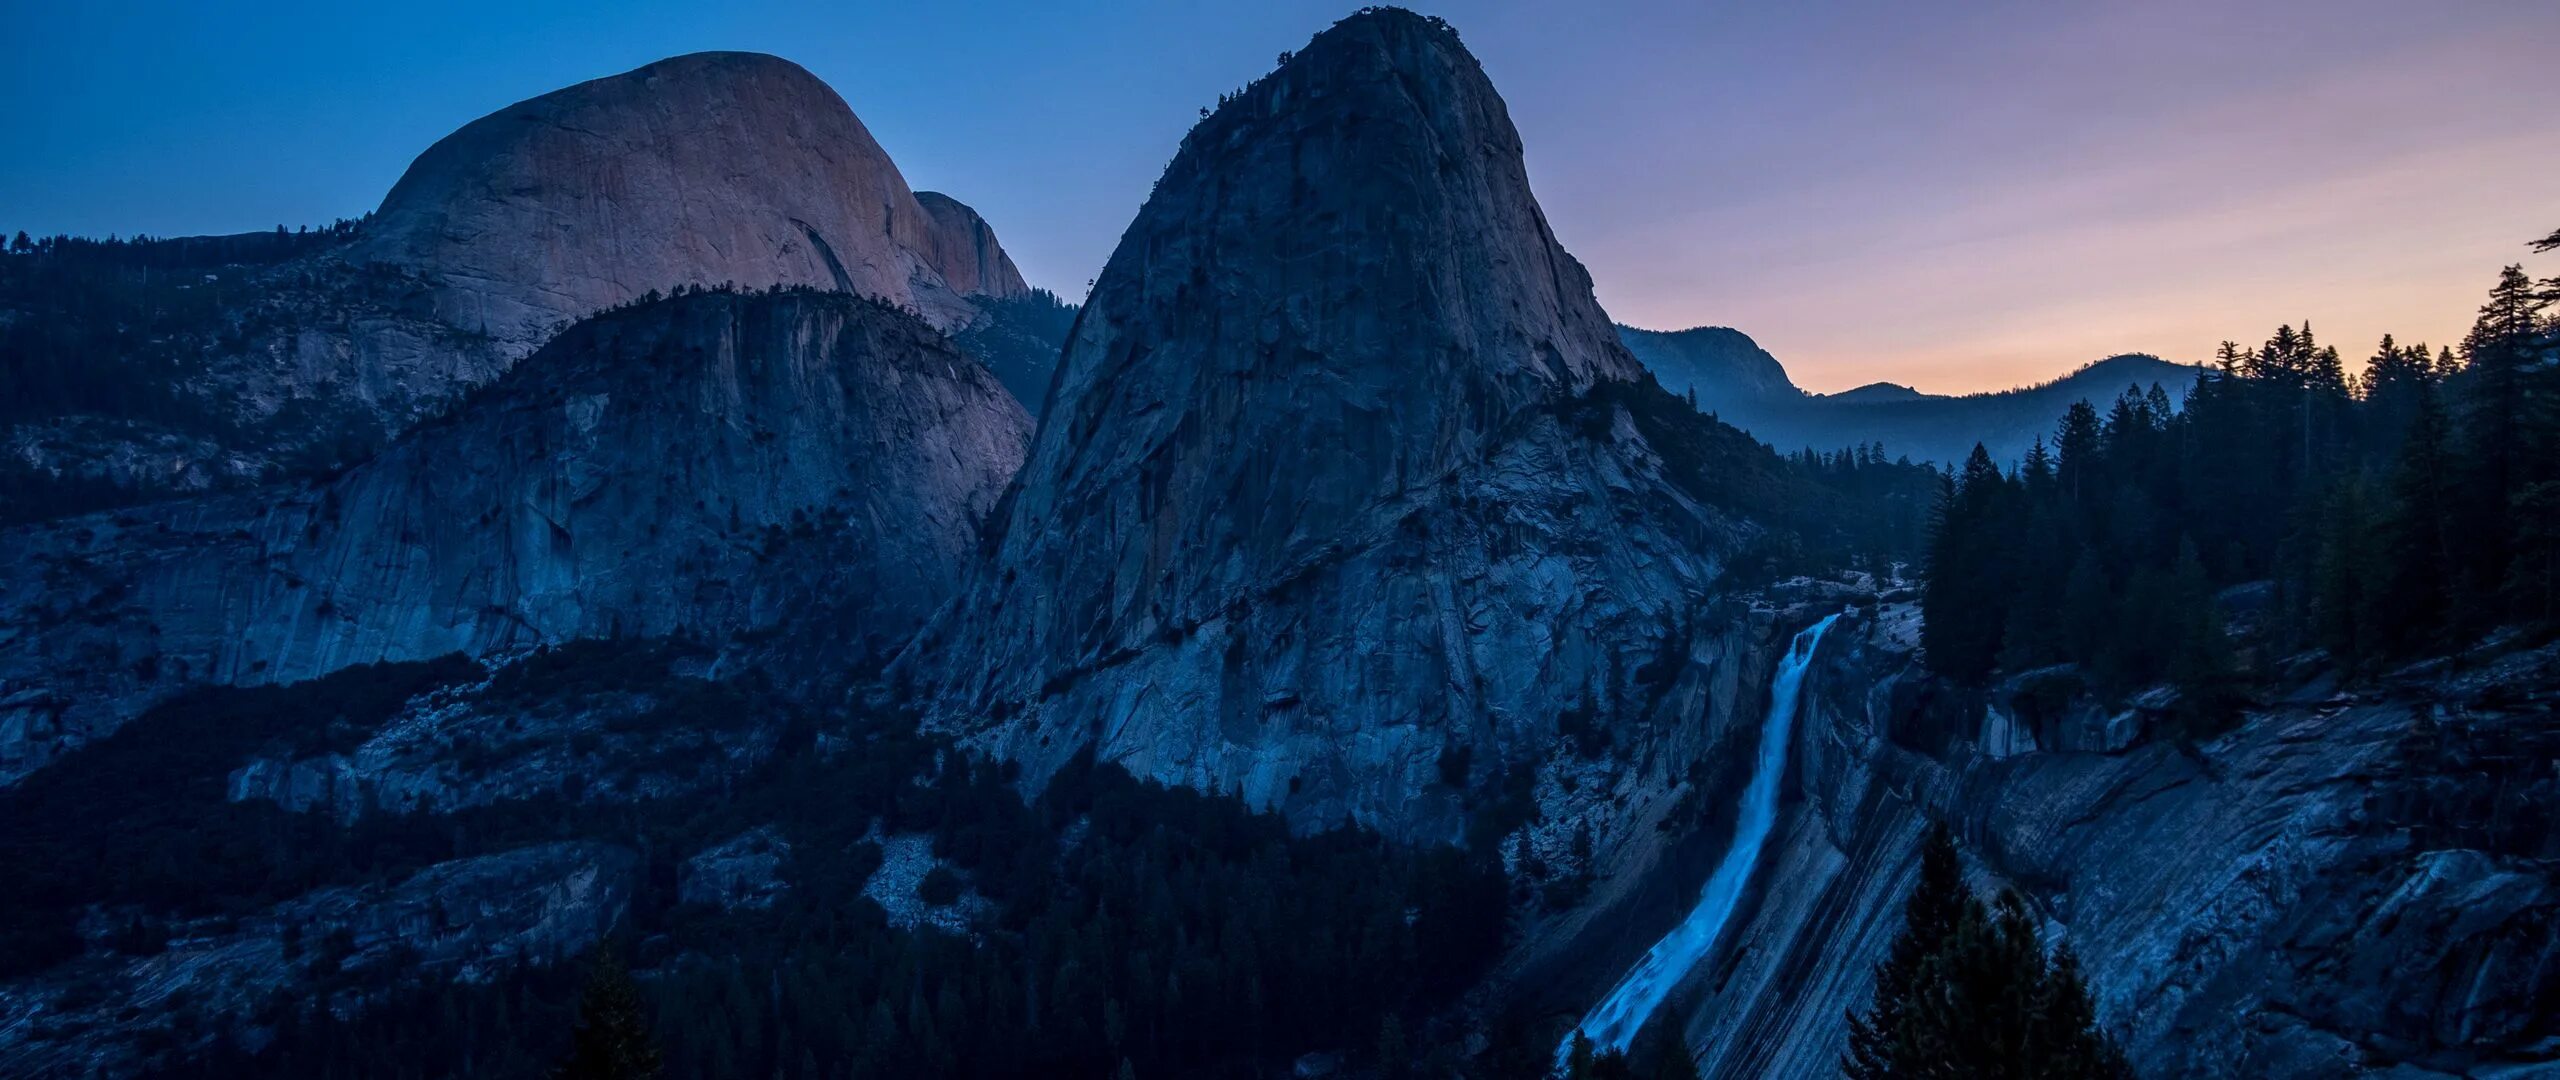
{"x":301,"y":354}
{"x":696,"y":170}
{"x":1305,"y":513}
{"x":1720,"y":364}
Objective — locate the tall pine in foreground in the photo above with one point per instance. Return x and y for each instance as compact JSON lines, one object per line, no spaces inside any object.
{"x":613,"y":1040}
{"x":1968,"y":991}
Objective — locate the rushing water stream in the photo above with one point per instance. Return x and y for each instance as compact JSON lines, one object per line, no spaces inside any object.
{"x":1613,"y":1023}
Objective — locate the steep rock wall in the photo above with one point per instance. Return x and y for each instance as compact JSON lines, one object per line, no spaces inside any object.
{"x":708,"y":464}
{"x":1305,"y":509}
{"x":2344,"y":885}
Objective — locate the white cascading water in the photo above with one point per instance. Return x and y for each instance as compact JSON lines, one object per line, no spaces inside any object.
{"x":1613,"y":1023}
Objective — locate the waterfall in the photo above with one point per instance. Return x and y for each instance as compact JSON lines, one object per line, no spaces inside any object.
{"x":1613,"y":1023}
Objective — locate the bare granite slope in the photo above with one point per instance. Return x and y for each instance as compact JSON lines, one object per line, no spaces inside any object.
{"x":704,"y":464}
{"x":1304,"y":510}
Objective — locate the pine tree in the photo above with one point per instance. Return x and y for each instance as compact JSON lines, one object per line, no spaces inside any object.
{"x":1889,"y":1034}
{"x":2347,"y":573}
{"x":1965,"y":603}
{"x":1966,"y":991}
{"x":2088,"y":610}
{"x":2036,"y":472}
{"x":2416,"y":551}
{"x":2199,"y":663}
{"x":2498,"y":451}
{"x":612,"y":1041}
{"x":2076,"y":1048}
{"x":2075,"y":447}
{"x":2394,"y":378}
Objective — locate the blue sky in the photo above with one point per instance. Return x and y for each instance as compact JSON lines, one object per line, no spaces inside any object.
{"x":1954,"y":196}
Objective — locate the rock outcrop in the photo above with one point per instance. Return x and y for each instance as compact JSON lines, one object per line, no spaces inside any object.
{"x":703,"y":169}
{"x":700,"y":170}
{"x":963,"y":250}
{"x":465,"y":921}
{"x":1306,"y":509}
{"x":1721,"y":365}
{"x":2343,"y":885}
{"x":707,"y":464}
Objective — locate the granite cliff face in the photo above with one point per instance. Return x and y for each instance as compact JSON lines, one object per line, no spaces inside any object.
{"x":707,"y":464}
{"x":1303,"y":511}
{"x":962,"y":248}
{"x":696,"y":170}
{"x":700,"y":170}
{"x":2346,"y":884}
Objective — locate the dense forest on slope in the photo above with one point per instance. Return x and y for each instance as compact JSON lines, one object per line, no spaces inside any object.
{"x":108,"y":327}
{"x":2390,"y":514}
{"x":1820,"y":511}
{"x":106,"y":341}
{"x":1115,"y":924}
{"x":1018,"y":339}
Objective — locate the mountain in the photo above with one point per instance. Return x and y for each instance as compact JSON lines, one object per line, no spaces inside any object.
{"x":146,"y":369}
{"x":1943,"y":428}
{"x":1739,"y":382}
{"x":702,"y":169}
{"x":1319,"y":505}
{"x":699,"y":465}
{"x":1722,"y":365}
{"x":963,"y":252}
{"x":1468,"y":673}
{"x":1876,"y":393}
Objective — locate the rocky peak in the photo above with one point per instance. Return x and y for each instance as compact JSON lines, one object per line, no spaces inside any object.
{"x":1343,"y":278}
{"x":964,"y":248}
{"x":1721,"y":364}
{"x":1302,"y":512}
{"x":697,"y":170}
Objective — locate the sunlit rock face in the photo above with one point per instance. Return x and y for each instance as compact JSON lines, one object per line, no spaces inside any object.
{"x":963,"y":250}
{"x":696,"y":170}
{"x":1303,"y":511}
{"x":703,"y":465}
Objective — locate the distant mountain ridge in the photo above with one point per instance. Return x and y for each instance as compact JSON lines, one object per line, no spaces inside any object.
{"x":1733,"y":377}
{"x":1718,"y":361}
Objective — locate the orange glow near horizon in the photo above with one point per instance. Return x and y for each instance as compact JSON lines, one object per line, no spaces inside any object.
{"x":1996,"y":199}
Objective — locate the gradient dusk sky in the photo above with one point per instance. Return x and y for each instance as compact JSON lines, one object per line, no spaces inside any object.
{"x":1955,"y":196}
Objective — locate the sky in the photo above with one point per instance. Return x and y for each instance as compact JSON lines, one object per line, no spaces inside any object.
{"x":1953,"y":196}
